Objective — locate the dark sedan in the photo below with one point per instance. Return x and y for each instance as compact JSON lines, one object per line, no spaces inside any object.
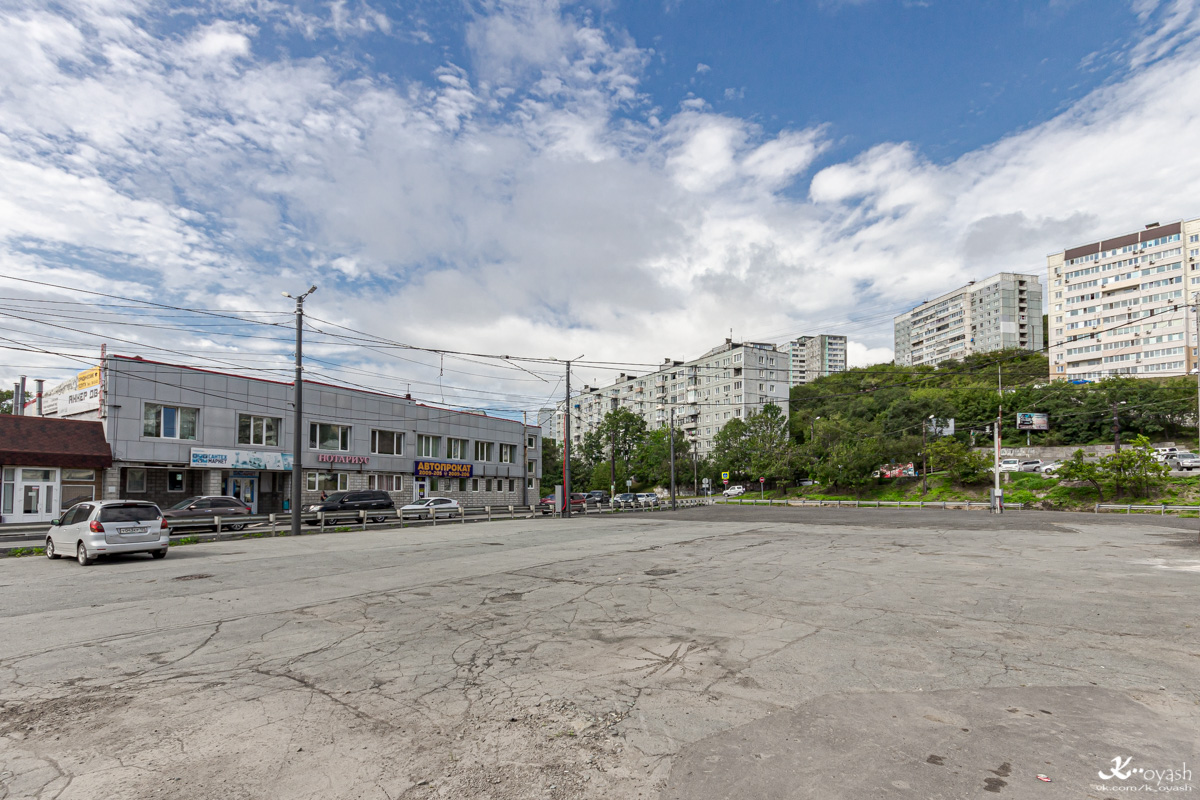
{"x":347,"y":505}
{"x":207,"y":507}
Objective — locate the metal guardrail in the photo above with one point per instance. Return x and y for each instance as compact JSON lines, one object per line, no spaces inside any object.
{"x":280,"y":523}
{"x":941,"y":504}
{"x":1129,"y":508}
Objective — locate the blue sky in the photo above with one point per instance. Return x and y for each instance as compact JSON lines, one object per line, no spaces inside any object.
{"x":534,"y":177}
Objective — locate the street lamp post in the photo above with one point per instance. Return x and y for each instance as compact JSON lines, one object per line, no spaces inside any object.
{"x":298,"y":402}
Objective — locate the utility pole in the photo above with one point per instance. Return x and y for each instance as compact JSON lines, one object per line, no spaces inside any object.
{"x":612,"y":465}
{"x":672,"y":458}
{"x":1116,"y":426}
{"x":924,"y":456}
{"x":695,"y":470}
{"x":298,"y":402}
{"x":524,"y":458}
{"x":997,"y":506}
{"x":567,"y":447}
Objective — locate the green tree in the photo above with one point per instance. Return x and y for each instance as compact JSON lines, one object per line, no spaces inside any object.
{"x":6,"y":401}
{"x":1135,"y":467}
{"x":963,"y":465}
{"x":731,"y":451}
{"x":552,"y":466}
{"x":1076,"y":469}
{"x":652,"y":461}
{"x":618,"y":437}
{"x":772,"y":452}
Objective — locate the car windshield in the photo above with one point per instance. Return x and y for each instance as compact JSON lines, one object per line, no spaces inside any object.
{"x":133,"y":512}
{"x":1185,"y":455}
{"x":184,"y":503}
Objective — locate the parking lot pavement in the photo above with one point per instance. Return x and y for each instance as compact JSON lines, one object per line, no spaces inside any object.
{"x":710,"y":653}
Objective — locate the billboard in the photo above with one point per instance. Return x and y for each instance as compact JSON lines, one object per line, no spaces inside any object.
{"x":88,"y":378}
{"x":240,"y":459}
{"x":1033,"y":422}
{"x":442,"y":469}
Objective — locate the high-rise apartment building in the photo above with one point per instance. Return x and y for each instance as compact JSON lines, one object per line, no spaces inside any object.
{"x":731,"y":381}
{"x":1117,"y":305}
{"x":812,"y":357}
{"x":999,"y":313}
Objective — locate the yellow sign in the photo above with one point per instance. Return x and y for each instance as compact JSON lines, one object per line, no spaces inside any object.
{"x":724,"y":476}
{"x":88,"y":378}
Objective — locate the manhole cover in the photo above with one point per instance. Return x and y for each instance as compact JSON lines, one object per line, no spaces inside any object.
{"x":195,"y":577}
{"x":661,"y":571}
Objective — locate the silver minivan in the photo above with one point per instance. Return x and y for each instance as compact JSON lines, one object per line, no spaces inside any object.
{"x":92,"y":529}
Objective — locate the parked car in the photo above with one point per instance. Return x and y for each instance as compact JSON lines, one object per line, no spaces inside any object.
{"x":1010,"y":465}
{"x":97,"y":528}
{"x":1184,"y":461}
{"x":1049,"y":468}
{"x":647,"y":499}
{"x":1164,"y":454}
{"x":346,"y":505}
{"x":1032,"y":465}
{"x":431,"y":507}
{"x":207,"y":507}
{"x":734,"y":491}
{"x":626,"y":500}
{"x":578,"y":502}
{"x":598,"y":497}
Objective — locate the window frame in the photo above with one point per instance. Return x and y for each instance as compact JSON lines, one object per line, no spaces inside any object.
{"x":129,"y":484}
{"x":345,"y":437}
{"x":380,"y":434}
{"x":160,"y":425}
{"x":312,"y":481}
{"x":486,"y":448}
{"x":278,"y":421}
{"x":429,"y":452}
{"x":508,"y":453}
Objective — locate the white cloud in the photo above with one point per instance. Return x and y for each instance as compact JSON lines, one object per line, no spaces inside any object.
{"x":531,"y":201}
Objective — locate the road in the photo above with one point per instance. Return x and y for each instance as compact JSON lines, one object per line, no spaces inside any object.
{"x":710,"y":653}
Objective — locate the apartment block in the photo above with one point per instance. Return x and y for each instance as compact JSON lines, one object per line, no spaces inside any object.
{"x":812,"y":357}
{"x":998,"y":313}
{"x":730,"y":381}
{"x":1117,"y":305}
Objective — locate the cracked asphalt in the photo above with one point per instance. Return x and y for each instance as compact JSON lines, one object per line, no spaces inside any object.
{"x":709,"y":653}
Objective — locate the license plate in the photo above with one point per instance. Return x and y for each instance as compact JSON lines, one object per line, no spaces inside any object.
{"x":130,"y":531}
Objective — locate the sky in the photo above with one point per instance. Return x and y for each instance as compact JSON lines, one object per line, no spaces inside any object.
{"x":544,"y":179}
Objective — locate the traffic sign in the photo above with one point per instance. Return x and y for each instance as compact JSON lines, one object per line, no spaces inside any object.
{"x":705,"y":482}
{"x":725,"y":477}
{"x":726,"y":482}
{"x":762,"y":480}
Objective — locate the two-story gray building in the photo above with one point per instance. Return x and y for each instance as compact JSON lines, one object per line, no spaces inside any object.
{"x":179,"y":431}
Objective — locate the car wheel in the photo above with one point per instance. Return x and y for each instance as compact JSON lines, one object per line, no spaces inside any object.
{"x":378,"y":519}
{"x":81,"y":555}
{"x":237,"y":526}
{"x":50,"y":549}
{"x":159,"y":553}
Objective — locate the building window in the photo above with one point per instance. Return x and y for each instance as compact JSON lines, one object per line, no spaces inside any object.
{"x":325,"y":436}
{"x":483,"y":451}
{"x":512,"y":485}
{"x":445,"y":484}
{"x":327,"y":481}
{"x":531,"y":441}
{"x":428,"y":446}
{"x":135,"y":481}
{"x":488,"y":485}
{"x":474,"y":484}
{"x":174,"y":481}
{"x":10,"y":482}
{"x":263,"y":431}
{"x":457,"y":449}
{"x":531,"y":467}
{"x":387,"y":443}
{"x":462,"y":484}
{"x":385,"y":483}
{"x":507,"y":452}
{"x":169,"y":422}
{"x":529,"y":483}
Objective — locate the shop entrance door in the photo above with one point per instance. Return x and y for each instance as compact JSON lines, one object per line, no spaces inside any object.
{"x":420,"y":488}
{"x":37,"y":490}
{"x":246,"y":490}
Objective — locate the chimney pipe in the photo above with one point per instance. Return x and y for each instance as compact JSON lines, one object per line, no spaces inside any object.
{"x":16,"y":397}
{"x":40,"y":383}
{"x":22,"y":406}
